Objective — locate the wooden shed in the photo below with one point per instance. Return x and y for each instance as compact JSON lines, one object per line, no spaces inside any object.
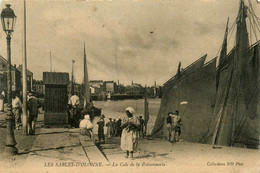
{"x":56,"y":98}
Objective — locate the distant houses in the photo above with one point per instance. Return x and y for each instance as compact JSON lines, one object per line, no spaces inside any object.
{"x":39,"y":87}
{"x":103,"y":90}
{"x":134,"y":89}
{"x":15,"y":76}
{"x":29,"y":77}
{"x":99,"y":89}
{"x":110,"y":90}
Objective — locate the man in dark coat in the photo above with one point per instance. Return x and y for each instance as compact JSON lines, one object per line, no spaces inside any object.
{"x":118,"y":127}
{"x":114,"y":126}
{"x":110,"y":128}
{"x":33,"y":104}
{"x":141,"y":126}
{"x":101,"y":124}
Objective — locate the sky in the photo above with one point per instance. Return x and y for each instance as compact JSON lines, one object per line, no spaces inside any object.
{"x":139,"y":40}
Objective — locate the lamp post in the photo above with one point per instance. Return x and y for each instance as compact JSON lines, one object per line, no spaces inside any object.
{"x":8,"y":20}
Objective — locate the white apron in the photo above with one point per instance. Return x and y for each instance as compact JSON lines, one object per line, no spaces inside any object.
{"x":129,"y":138}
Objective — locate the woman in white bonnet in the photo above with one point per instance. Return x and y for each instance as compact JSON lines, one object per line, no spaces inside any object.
{"x":130,"y":125}
{"x":86,"y":127}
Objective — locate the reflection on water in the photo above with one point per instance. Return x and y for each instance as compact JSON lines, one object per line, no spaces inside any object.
{"x":115,"y":109}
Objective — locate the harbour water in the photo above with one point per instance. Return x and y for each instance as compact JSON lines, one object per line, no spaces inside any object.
{"x":116,"y":109}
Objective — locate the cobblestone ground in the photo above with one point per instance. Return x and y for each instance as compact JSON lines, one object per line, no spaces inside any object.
{"x":65,"y":146}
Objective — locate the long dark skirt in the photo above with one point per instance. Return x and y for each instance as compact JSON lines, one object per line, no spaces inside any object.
{"x":101,"y":134}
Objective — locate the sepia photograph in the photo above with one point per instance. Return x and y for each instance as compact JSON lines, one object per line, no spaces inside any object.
{"x":130,"y":86}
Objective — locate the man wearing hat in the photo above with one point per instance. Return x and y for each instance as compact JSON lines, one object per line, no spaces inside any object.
{"x":176,"y":123}
{"x":118,"y":127}
{"x":73,"y":103}
{"x":141,"y":126}
{"x":109,"y":126}
{"x":101,"y":124}
{"x":33,"y":104}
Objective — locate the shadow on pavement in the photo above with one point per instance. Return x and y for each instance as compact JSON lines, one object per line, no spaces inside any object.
{"x":47,"y":149}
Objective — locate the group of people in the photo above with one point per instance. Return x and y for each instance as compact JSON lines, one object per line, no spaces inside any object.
{"x":128,"y":128}
{"x":114,"y":127}
{"x":174,"y":126}
{"x":76,"y":110}
{"x":33,"y":105}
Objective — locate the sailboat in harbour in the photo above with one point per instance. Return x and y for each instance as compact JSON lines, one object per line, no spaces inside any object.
{"x":88,"y":104}
{"x":222,"y":105}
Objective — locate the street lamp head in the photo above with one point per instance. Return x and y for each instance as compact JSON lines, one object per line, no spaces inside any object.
{"x":8,"y":19}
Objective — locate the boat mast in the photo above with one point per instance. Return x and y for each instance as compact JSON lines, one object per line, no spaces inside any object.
{"x":146,"y":112}
{"x":86,"y":84}
{"x":50,"y":63}
{"x":230,"y":114}
{"x":242,"y":35}
{"x":241,"y":84}
{"x":72,"y":78}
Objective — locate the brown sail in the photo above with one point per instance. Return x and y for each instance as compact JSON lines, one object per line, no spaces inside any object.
{"x":233,"y":119}
{"x":197,"y":90}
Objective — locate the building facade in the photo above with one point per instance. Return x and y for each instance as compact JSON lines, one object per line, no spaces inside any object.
{"x":15,"y":76}
{"x":134,"y":89}
{"x":109,"y":87}
{"x":29,"y":77}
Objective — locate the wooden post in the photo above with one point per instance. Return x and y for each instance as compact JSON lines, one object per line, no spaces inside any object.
{"x":146,"y":113}
{"x":72,"y":79}
{"x":50,"y":63}
{"x":24,"y":116}
{"x":10,"y":143}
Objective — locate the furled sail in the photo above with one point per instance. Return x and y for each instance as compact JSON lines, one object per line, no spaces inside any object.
{"x":86,"y":81}
{"x":236,"y":99}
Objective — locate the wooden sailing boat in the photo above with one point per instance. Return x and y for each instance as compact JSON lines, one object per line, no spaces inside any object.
{"x":227,"y":112}
{"x":88,"y":105}
{"x":236,"y":114}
